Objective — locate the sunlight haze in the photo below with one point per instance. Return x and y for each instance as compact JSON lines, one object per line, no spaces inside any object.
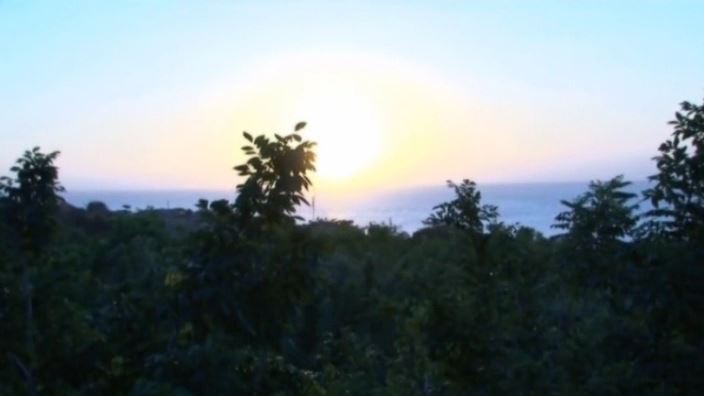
{"x":153,"y":95}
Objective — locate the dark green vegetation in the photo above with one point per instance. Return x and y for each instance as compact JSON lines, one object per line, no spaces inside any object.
{"x":238,"y":298}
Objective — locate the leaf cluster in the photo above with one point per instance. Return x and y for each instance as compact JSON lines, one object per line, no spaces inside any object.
{"x":276,"y":175}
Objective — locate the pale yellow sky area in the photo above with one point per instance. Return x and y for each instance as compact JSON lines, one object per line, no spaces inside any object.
{"x":379,"y":123}
{"x":156,"y":96}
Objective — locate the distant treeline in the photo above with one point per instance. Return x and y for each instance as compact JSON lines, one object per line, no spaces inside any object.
{"x":241,"y":298}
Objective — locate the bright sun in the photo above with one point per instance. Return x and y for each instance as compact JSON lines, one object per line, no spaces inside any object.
{"x":346,"y":129}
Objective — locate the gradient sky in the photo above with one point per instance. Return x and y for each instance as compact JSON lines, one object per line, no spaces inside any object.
{"x":155,"y":94}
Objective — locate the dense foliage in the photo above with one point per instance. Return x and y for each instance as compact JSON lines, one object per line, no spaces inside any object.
{"x":241,"y":298}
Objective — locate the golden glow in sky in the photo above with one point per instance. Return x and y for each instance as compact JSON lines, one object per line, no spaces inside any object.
{"x":491,"y":92}
{"x":346,"y":127}
{"x":380,"y":123}
{"x":376,"y":121}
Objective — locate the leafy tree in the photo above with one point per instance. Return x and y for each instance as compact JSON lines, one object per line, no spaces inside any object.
{"x":465,"y":211}
{"x":31,"y":200}
{"x":238,"y":251}
{"x":678,"y":194}
{"x":601,"y":215}
{"x":276,"y":173}
{"x":674,"y":253}
{"x":247,"y":271}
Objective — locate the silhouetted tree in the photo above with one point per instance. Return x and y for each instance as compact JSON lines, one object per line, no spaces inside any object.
{"x":247,"y":272}
{"x":32,"y":198}
{"x":465,"y":211}
{"x":678,"y":195}
{"x":602,"y":214}
{"x":276,"y":173}
{"x":31,"y":201}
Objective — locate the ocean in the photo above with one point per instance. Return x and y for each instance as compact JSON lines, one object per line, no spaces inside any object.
{"x":530,"y":204}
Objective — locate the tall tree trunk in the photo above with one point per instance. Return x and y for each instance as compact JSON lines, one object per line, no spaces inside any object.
{"x":29,"y":329}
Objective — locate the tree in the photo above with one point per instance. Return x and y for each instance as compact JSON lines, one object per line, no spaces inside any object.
{"x":31,"y":200}
{"x":678,"y":194}
{"x":277,"y":177}
{"x":465,"y":211}
{"x":246,"y":275}
{"x":600,"y":215}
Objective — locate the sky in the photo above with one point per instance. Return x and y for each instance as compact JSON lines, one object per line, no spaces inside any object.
{"x":155,"y":94}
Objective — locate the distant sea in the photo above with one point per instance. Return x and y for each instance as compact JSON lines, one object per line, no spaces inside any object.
{"x":530,"y":204}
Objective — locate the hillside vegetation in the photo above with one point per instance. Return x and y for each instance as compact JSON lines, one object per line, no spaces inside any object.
{"x":243,"y":298}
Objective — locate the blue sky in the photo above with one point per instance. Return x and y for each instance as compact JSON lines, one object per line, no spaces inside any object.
{"x":103,"y":81}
